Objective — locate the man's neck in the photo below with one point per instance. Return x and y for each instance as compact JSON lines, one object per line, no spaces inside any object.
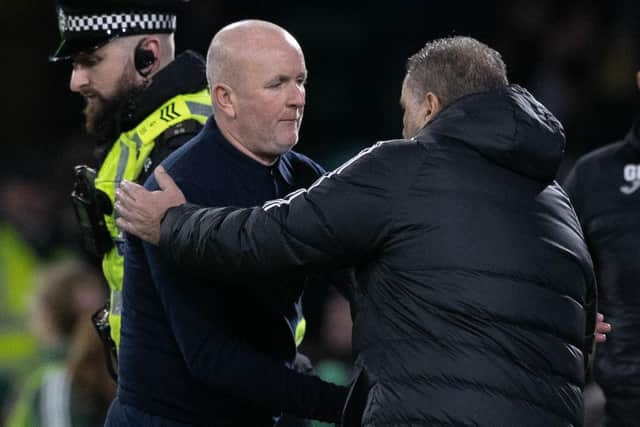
{"x":236,"y":142}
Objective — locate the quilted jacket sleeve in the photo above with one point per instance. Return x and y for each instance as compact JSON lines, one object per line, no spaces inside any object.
{"x":342,"y":219}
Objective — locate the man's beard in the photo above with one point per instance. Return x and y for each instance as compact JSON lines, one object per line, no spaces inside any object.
{"x":104,"y":116}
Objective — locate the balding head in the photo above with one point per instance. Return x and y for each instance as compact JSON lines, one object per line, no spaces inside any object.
{"x":257,"y":73}
{"x":237,"y":45}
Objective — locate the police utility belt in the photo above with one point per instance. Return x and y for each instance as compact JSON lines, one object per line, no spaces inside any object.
{"x":91,"y":205}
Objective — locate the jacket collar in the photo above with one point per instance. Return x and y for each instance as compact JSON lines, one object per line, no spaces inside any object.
{"x":244,"y":162}
{"x":185,"y":74}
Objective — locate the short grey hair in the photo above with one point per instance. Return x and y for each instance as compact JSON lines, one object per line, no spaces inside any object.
{"x":453,"y":67}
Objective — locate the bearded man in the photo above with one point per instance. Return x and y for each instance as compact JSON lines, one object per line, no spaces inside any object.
{"x":142,"y":102}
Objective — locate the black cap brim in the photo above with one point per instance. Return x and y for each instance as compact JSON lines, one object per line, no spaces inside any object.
{"x":71,"y":47}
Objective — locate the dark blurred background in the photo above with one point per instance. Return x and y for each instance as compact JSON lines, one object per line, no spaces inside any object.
{"x":578,"y":57}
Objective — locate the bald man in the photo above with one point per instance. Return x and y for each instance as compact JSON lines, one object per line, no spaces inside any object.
{"x":191,"y":353}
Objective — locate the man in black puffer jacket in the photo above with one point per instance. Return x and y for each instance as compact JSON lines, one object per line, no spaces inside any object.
{"x":474,"y":290}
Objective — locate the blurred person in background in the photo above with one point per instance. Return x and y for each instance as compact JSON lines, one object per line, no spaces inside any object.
{"x":26,"y":244}
{"x":72,"y":388}
{"x":233,"y":357}
{"x":604,"y":187}
{"x":142,"y":102}
{"x":474,"y":301}
{"x":335,"y":361}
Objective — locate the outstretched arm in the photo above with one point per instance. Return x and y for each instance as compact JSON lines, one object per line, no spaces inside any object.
{"x":343,"y":219}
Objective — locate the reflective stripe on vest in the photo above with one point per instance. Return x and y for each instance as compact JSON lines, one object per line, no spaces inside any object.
{"x":301,"y":328}
{"x":55,"y":405}
{"x":125,"y":160}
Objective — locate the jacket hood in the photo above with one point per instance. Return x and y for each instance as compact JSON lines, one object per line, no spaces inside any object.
{"x":508,"y":126}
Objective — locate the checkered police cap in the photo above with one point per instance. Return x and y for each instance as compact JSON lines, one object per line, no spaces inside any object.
{"x":116,"y":23}
{"x":86,"y":28}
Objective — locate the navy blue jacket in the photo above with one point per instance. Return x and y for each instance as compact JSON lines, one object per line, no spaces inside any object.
{"x":201,"y":354}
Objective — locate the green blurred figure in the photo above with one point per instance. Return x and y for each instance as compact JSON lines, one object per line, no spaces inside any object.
{"x":72,"y":387}
{"x":336,"y":364}
{"x":25,"y":237}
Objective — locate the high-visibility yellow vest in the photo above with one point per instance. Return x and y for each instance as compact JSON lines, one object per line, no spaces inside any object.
{"x":126,"y":160}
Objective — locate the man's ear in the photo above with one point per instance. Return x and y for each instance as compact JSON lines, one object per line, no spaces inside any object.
{"x":430,"y":107}
{"x":223,"y":98}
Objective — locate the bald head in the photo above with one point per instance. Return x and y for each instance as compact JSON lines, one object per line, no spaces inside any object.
{"x":236,"y":46}
{"x":257,"y":75}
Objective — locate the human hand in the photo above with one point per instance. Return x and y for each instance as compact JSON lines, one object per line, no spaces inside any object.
{"x":140,"y":211}
{"x":602,"y":328}
{"x":302,"y":364}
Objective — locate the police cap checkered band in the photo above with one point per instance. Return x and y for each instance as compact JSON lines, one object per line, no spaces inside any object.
{"x":88,"y":25}
{"x":116,"y":23}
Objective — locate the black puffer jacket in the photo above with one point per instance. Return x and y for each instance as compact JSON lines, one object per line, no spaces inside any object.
{"x":473,"y":280}
{"x":605,"y":188}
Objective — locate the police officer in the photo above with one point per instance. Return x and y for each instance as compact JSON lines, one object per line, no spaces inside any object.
{"x":142,"y":102}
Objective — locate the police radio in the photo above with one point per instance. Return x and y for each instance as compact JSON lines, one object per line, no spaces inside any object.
{"x":91,"y":205}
